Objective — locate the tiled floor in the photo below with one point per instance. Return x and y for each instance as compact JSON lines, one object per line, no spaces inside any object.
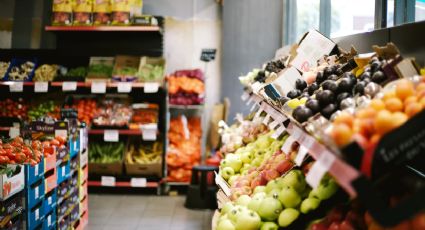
{"x":125,"y":212}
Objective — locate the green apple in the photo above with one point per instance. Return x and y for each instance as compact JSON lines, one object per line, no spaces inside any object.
{"x":227,"y":172}
{"x":274,"y":193}
{"x":246,"y":167}
{"x":295,"y":179}
{"x":280,"y":182}
{"x":234,"y":161}
{"x":243,"y":200}
{"x":248,"y":221}
{"x":259,"y":154}
{"x":287,"y":216}
{"x":227,"y":207}
{"x":326,"y":189}
{"x":289,"y":197}
{"x":271,"y":185}
{"x":261,"y":195}
{"x":225,"y":225}
{"x":255,"y":203}
{"x":232,"y":179}
{"x":247,"y":157}
{"x":269,"y":209}
{"x":309,"y":204}
{"x":222,"y":217}
{"x":257,"y":162}
{"x":260,"y":188}
{"x":269,"y":226}
{"x":232,"y":214}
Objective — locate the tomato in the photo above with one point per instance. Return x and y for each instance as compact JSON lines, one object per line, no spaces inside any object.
{"x":55,"y":142}
{"x":3,"y":159}
{"x":20,"y":157}
{"x":60,"y":139}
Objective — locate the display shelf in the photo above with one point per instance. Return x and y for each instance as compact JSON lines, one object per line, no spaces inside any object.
{"x":122,"y":184}
{"x":103,"y":28}
{"x":5,"y":128}
{"x":129,"y":132}
{"x":192,"y":107}
{"x":178,"y":183}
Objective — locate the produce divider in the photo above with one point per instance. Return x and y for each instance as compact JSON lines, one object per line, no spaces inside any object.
{"x":322,"y":118}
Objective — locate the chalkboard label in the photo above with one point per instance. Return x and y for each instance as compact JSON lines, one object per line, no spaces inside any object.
{"x":208,"y":54}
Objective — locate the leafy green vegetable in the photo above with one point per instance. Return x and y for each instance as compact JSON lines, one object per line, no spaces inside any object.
{"x":151,"y":72}
{"x":77,"y":72}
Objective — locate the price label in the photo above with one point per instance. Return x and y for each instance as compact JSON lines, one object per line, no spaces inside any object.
{"x":41,"y":86}
{"x":63,"y":171}
{"x":149,"y":131}
{"x":14,"y":132}
{"x":287,"y":146}
{"x":138,"y":182}
{"x":111,"y":136}
{"x":36,"y":192}
{"x":319,"y":168}
{"x":266,"y":119}
{"x":107,"y":181}
{"x":274,"y":124}
{"x":69,"y":86}
{"x":302,"y":152}
{"x":278,"y":132}
{"x":222,"y":184}
{"x":98,"y":87}
{"x":150,"y":87}
{"x":49,"y":220}
{"x":61,"y":132}
{"x":245,"y":96}
{"x":36,"y":169}
{"x":17,"y":86}
{"x":308,"y":142}
{"x":49,"y":200}
{"x":124,"y":87}
{"x":37,"y":214}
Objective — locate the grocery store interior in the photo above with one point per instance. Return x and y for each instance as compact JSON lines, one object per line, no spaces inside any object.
{"x":212,"y":114}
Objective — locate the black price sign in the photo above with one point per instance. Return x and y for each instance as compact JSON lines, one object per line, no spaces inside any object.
{"x":208,"y":54}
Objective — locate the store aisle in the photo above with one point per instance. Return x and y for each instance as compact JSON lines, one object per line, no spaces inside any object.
{"x":125,"y":212}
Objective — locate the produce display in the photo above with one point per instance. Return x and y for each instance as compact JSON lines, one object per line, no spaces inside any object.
{"x":186,"y":87}
{"x":150,"y":73}
{"x":15,"y":151}
{"x":80,"y":71}
{"x":21,"y":71}
{"x":50,"y":145}
{"x":4,"y":66}
{"x":184,"y":150}
{"x":144,"y":114}
{"x":87,"y":108}
{"x":47,"y":108}
{"x":46,"y":73}
{"x":112,"y":113}
{"x":144,"y":153}
{"x":101,"y":12}
{"x":12,"y":108}
{"x":82,"y":12}
{"x":106,"y":152}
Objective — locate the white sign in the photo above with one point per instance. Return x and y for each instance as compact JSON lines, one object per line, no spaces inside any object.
{"x":49,"y":200}
{"x":41,"y":86}
{"x":302,"y":152}
{"x":222,"y":184}
{"x":287,"y":146}
{"x":138,"y":182}
{"x":17,"y":86}
{"x":14,"y":132}
{"x":149,"y":131}
{"x":319,"y":168}
{"x":266,"y":119}
{"x":36,"y":192}
{"x":107,"y":181}
{"x":286,"y":79}
{"x":37,"y":214}
{"x":278,"y":132}
{"x":63,"y":171}
{"x":36,"y":169}
{"x":61,"y":133}
{"x":150,"y":87}
{"x":111,"y":135}
{"x":69,"y":86}
{"x":124,"y":87}
{"x":98,"y":87}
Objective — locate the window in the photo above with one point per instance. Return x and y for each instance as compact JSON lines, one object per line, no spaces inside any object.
{"x":390,"y":13}
{"x":420,"y":10}
{"x":307,"y":16}
{"x":351,"y":16}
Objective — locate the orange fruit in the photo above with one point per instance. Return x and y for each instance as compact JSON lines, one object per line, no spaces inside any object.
{"x":383,"y":122}
{"x":342,"y":134}
{"x":366,"y":113}
{"x":377,"y":104}
{"x":344,"y":118}
{"x":389,"y":95}
{"x":366,"y":127}
{"x":404,"y":89}
{"x":413,"y":108}
{"x":422,"y":101}
{"x":410,"y":99}
{"x":399,"y":119}
{"x":420,"y":86}
{"x":394,"y":104}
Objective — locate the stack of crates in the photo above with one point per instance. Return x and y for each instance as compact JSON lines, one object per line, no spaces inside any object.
{"x":50,"y":198}
{"x":83,"y":174}
{"x":63,"y":190}
{"x":34,"y":195}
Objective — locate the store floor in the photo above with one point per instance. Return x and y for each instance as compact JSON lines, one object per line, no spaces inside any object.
{"x":123,"y":212}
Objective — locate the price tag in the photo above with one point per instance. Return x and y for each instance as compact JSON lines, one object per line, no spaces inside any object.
{"x":273,"y":125}
{"x":124,"y":87}
{"x":36,"y":169}
{"x":107,"y":181}
{"x":278,"y":132}
{"x":111,"y":136}
{"x":266,"y":119}
{"x":14,"y":132}
{"x":222,"y":184}
{"x":63,"y":171}
{"x":302,"y":152}
{"x":150,"y":87}
{"x":17,"y":86}
{"x":287,"y":146}
{"x":61,"y":132}
{"x":98,"y":87}
{"x":245,"y":96}
{"x":41,"y":86}
{"x":319,"y":168}
{"x":49,"y":220}
{"x":36,"y":192}
{"x":37,"y":214}
{"x":138,"y":182}
{"x":149,"y":131}
{"x":69,"y":86}
{"x":49,"y":200}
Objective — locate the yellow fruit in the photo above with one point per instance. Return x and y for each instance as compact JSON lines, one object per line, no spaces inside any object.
{"x":342,"y":134}
{"x":410,"y":100}
{"x":399,"y":119}
{"x":344,"y":118}
{"x":413,"y":108}
{"x":389,"y":95}
{"x":404,"y":89}
{"x":377,"y":104}
{"x":383,"y":122}
{"x":394,"y":104}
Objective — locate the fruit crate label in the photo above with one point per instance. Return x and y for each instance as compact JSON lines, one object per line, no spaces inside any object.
{"x":14,"y":132}
{"x":319,"y":168}
{"x":36,"y":169}
{"x":278,"y":132}
{"x":124,"y":87}
{"x":41,"y":86}
{"x":266,"y":119}
{"x":302,"y":152}
{"x":61,"y":133}
{"x":98,"y":87}
{"x":138,"y":182}
{"x":149,"y":131}
{"x":150,"y":87}
{"x":258,"y":113}
{"x":222,"y":184}
{"x":111,"y":136}
{"x":248,"y":102}
{"x":36,"y":192}
{"x":287,"y":146}
{"x":107,"y":181}
{"x":69,"y":86}
{"x":253,"y":107}
{"x":245,"y":96}
{"x":49,"y":220}
{"x":63,"y":171}
{"x":37,"y":214}
{"x":49,"y":200}
{"x":16,"y":86}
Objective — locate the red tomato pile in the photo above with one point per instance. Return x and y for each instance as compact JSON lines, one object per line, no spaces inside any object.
{"x":17,"y":152}
{"x":49,"y":147}
{"x":184,"y":152}
{"x":11,"y":108}
{"x":86,"y":108}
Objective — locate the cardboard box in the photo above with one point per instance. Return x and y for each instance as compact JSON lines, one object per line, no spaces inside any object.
{"x":74,"y":165}
{"x":96,"y":63}
{"x":75,"y":214}
{"x":63,"y":171}
{"x":154,"y":169}
{"x":83,"y":191}
{"x":84,"y":205}
{"x":50,"y":162}
{"x":50,"y":180}
{"x":33,"y":174}
{"x":144,"y":61}
{"x":106,"y":168}
{"x":84,"y":158}
{"x":84,"y":220}
{"x":12,"y":184}
{"x":83,"y":175}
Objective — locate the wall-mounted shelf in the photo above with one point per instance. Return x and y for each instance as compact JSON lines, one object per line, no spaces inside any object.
{"x":102,"y":28}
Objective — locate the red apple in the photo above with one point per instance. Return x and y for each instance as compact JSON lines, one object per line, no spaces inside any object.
{"x":319,"y":226}
{"x":355,"y":218}
{"x":335,"y":226}
{"x":346,"y":225}
{"x":284,"y":166}
{"x":335,"y":215}
{"x":272,"y":174}
{"x":255,"y":182}
{"x":405,"y":225}
{"x":418,"y":222}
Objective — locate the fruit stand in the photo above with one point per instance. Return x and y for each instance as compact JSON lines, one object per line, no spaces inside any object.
{"x":328,"y":138}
